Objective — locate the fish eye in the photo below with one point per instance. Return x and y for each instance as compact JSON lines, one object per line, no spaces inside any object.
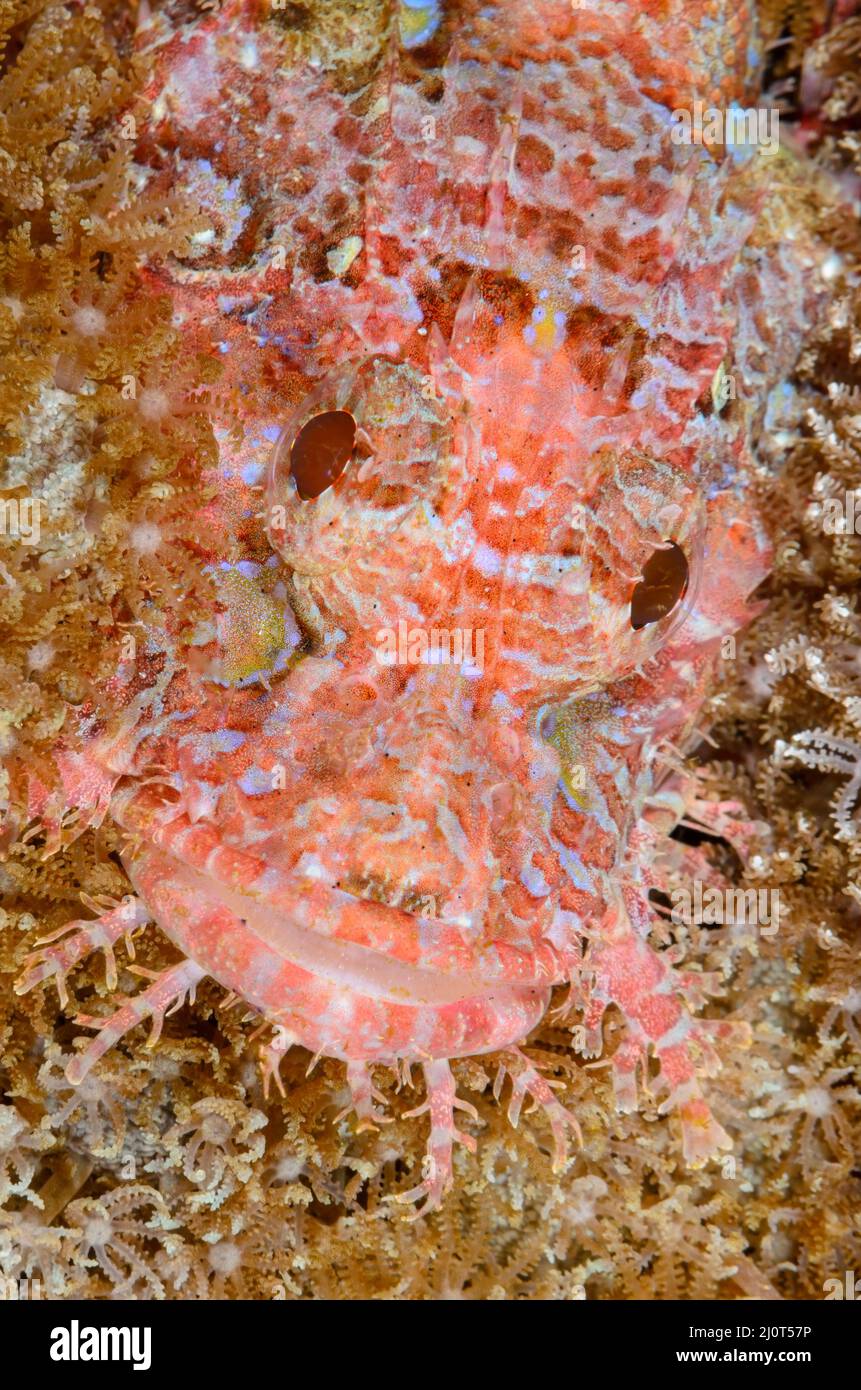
{"x":663,"y":583}
{"x":321,"y":451}
{"x":354,"y":462}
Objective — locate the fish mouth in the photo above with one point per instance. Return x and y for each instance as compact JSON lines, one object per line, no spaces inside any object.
{"x":285,"y":937}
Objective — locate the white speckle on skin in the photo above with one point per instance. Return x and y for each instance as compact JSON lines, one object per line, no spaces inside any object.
{"x":468,"y":147}
{"x":534,"y":881}
{"x":486,"y":560}
{"x":341,"y":257}
{"x":311,"y":866}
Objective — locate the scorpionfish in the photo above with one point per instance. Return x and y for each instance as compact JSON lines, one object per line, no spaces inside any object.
{"x":481,"y":520}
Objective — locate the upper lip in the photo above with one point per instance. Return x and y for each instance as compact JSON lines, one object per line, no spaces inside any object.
{"x":366,"y":969}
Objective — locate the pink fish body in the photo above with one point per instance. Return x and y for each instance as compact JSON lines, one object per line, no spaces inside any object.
{"x":415,"y":776}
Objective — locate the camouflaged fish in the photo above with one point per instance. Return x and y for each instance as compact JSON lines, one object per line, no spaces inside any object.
{"x":481,"y":520}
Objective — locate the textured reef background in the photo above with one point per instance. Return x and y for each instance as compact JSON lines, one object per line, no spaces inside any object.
{"x":167,"y":1173}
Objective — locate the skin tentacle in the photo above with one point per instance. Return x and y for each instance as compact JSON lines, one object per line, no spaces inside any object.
{"x":81,"y":939}
{"x":168,"y":991}
{"x":440,"y":1105}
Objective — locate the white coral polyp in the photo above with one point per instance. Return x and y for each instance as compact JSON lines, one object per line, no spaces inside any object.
{"x":818,"y":1101}
{"x":225,"y":1257}
{"x":98,"y":1231}
{"x":88,"y":321}
{"x":146,"y":538}
{"x":40,"y":656}
{"x":153,"y":404}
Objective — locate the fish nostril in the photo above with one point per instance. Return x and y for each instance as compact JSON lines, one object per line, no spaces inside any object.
{"x":356,"y":695}
{"x":501,"y":804}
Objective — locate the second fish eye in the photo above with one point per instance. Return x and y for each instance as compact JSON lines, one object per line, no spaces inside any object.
{"x":662,"y":585}
{"x":321,"y":451}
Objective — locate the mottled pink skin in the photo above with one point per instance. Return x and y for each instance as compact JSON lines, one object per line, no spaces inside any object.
{"x":392,"y":863}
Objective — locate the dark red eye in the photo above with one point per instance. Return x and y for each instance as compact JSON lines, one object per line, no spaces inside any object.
{"x":664,"y":581}
{"x":321,"y":451}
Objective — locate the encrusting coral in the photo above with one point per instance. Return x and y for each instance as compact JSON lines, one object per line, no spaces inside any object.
{"x":170,"y":1171}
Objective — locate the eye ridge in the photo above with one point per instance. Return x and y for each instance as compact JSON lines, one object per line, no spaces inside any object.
{"x":321,"y":451}
{"x":663,"y":584}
